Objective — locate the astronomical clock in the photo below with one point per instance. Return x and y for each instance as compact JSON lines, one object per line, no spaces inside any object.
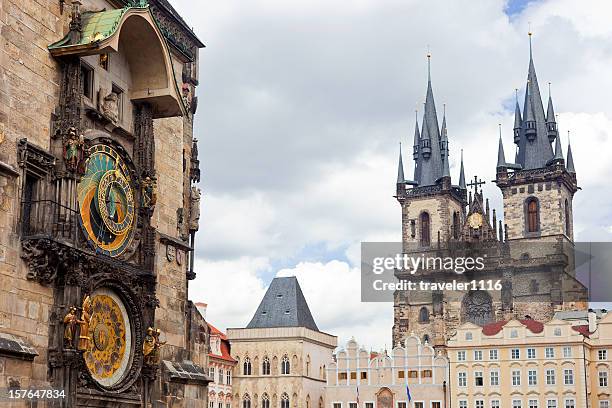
{"x":106,"y":201}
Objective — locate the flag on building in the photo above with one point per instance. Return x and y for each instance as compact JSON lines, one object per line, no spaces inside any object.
{"x":408,"y":393}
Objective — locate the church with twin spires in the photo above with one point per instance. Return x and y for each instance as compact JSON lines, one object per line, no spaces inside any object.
{"x":528,"y":250}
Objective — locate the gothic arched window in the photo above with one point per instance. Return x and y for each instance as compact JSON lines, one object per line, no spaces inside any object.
{"x":246,"y":401}
{"x":424,"y":224}
{"x":456,"y":225}
{"x":284,"y":400}
{"x":567,"y":219}
{"x":285,"y":365}
{"x":265,"y":366}
{"x":265,"y":401}
{"x":307,"y":366}
{"x":423,"y":315}
{"x":246,"y":366}
{"x":533,"y":216}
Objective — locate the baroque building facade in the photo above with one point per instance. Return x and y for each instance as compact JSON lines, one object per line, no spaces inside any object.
{"x":281,"y":355}
{"x":97,"y":217}
{"x":220,"y":370}
{"x":529,"y":254}
{"x":359,"y":378}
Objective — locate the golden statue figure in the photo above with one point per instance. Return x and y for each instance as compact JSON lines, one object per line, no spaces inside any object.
{"x":84,"y":324}
{"x":70,"y":322}
{"x":151,"y":346}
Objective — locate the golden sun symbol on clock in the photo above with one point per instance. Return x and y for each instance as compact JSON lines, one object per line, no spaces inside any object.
{"x":106,"y":201}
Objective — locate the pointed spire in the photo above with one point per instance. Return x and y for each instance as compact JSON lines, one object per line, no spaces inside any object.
{"x":558,"y":151}
{"x":417,"y":135}
{"x":462,"y":174}
{"x":431,"y":168}
{"x":570,"y":157}
{"x":535,"y":148}
{"x":551,"y":122}
{"x":501,"y":158}
{"x":518,"y":120}
{"x":446,"y":171}
{"x":400,"y":167}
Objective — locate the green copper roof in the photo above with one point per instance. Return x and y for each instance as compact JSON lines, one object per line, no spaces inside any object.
{"x":97,"y":26}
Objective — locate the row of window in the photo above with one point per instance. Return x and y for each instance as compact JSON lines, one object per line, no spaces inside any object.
{"x":211,"y":404}
{"x":400,"y":374}
{"x":265,"y":401}
{"x":532,"y":221}
{"x":515,"y":354}
{"x":532,"y":378}
{"x":399,"y":404}
{"x":494,"y":403}
{"x":223,"y":374}
{"x":265,"y":366}
{"x":531,"y":403}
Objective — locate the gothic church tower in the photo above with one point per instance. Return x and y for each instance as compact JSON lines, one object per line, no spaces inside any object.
{"x":539,"y":187}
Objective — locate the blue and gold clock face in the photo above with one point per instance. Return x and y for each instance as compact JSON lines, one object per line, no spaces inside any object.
{"x":106,"y":201}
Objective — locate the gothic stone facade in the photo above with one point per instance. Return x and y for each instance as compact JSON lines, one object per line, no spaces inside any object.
{"x":530,"y":253}
{"x":96,"y":213}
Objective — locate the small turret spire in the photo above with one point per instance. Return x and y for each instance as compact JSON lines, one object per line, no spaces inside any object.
{"x":558,"y":151}
{"x":551,"y":122}
{"x":462,"y":174}
{"x":501,"y":158}
{"x":570,"y":158}
{"x":518,"y":120}
{"x":400,"y":167}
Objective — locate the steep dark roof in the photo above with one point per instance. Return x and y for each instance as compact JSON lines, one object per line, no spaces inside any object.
{"x":283,"y":305}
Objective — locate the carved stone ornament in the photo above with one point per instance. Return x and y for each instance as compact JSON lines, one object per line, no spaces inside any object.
{"x":149,"y":193}
{"x":170,"y":253}
{"x":110,"y":106}
{"x":179,"y":257}
{"x":194,"y":213}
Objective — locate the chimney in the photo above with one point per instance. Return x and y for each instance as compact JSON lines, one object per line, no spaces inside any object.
{"x":201,"y":306}
{"x":592,"y":316}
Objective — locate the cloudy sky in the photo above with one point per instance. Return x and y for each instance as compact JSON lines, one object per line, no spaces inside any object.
{"x":302,"y":104}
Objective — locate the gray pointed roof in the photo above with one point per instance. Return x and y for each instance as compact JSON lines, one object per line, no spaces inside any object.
{"x":416,"y":146}
{"x":550,"y":112}
{"x":430,"y":169}
{"x":518,"y":120}
{"x":501,"y":158}
{"x":400,"y":168}
{"x":283,"y":305}
{"x":462,"y":174}
{"x":570,"y":159}
{"x":536,"y":154}
{"x":558,"y":150}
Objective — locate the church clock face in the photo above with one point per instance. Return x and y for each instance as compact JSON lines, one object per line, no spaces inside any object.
{"x":106,"y":201}
{"x":475,"y":220}
{"x":110,"y":341}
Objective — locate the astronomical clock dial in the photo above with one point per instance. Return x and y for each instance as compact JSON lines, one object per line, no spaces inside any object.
{"x":475,"y":220}
{"x":106,"y":201}
{"x":110,"y":347}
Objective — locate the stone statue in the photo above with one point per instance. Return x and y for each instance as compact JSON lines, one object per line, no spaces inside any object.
{"x":194,"y":217}
{"x":149,"y":193}
{"x":84,"y":324}
{"x":74,"y":149}
{"x":110,"y":106}
{"x":70,"y":322}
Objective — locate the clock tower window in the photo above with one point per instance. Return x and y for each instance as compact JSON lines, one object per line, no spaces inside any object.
{"x":425,"y":235}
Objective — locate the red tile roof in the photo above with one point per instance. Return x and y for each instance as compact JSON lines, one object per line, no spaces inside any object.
{"x":582,"y":329}
{"x":225,"y":346}
{"x":492,"y":329}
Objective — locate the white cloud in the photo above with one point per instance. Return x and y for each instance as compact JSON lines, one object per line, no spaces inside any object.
{"x":302,"y":104}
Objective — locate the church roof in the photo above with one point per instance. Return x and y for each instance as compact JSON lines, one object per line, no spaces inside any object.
{"x":283,"y":305}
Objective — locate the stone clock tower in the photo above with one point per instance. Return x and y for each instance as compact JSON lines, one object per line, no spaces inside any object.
{"x":97,"y":242}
